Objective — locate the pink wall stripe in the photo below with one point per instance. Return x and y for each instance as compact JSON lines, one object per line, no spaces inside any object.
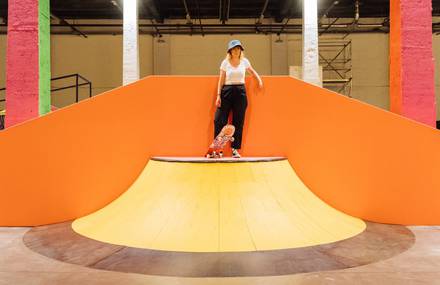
{"x":22,"y":64}
{"x":417,"y":98}
{"x":417,"y":59}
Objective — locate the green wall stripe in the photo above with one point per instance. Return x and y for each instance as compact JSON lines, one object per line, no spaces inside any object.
{"x":44,"y":56}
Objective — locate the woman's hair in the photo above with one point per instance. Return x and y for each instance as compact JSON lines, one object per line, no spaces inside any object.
{"x":228,"y":55}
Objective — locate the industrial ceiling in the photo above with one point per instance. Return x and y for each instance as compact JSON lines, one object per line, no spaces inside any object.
{"x":218,"y":16}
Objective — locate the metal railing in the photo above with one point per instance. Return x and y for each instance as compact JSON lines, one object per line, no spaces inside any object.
{"x":2,"y":120}
{"x":79,"y":81}
{"x":77,"y":85}
{"x":2,"y":100}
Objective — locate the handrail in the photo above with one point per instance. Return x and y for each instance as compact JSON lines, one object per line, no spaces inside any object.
{"x":76,"y":85}
{"x":2,"y":121}
{"x":71,"y":86}
{"x":2,"y":100}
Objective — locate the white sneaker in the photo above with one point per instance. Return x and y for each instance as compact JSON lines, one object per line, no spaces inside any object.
{"x":235,"y":153}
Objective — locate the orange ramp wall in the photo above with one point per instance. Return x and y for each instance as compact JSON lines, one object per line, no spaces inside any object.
{"x":362,"y":160}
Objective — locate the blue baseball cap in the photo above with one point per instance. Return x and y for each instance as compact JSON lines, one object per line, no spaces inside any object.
{"x":234,"y":43}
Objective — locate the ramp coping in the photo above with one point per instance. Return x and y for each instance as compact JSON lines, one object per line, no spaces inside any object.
{"x":217,"y":160}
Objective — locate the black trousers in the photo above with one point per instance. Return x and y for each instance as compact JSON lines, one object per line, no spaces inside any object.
{"x":233,"y":97}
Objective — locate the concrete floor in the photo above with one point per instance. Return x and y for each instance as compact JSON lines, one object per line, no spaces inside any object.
{"x":419,"y":265}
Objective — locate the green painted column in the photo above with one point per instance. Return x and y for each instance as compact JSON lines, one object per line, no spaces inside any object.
{"x":44,"y":56}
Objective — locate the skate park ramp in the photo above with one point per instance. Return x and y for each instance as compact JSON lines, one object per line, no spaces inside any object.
{"x":358,"y":159}
{"x":218,"y":207}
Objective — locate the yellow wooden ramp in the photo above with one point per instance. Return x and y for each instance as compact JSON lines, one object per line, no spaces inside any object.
{"x":218,"y":207}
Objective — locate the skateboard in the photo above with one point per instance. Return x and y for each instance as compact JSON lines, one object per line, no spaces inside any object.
{"x":216,"y":148}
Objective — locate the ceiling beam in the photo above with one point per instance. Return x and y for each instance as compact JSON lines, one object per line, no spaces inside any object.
{"x":327,"y":11}
{"x":355,"y":23}
{"x":199,"y":16}
{"x":260,"y":19}
{"x":188,"y":15}
{"x":117,"y":4}
{"x":225,"y":6}
{"x":158,"y":34}
{"x":72,"y":27}
{"x":328,"y":26}
{"x":161,"y":29}
{"x":151,"y":8}
{"x":286,"y":9}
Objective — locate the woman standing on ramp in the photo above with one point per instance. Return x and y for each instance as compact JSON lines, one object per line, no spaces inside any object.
{"x":231,"y":92}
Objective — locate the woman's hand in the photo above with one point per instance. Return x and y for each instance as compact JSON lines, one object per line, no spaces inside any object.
{"x":218,"y":102}
{"x":255,"y":74}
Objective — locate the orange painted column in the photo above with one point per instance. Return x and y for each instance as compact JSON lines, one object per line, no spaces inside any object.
{"x":412,"y":92}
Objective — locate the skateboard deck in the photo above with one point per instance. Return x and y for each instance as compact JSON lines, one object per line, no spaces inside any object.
{"x":216,"y":148}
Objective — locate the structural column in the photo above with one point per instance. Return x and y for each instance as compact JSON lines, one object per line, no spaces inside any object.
{"x":412,"y":92}
{"x":310,"y":59}
{"x":28,"y":60}
{"x":131,"y":42}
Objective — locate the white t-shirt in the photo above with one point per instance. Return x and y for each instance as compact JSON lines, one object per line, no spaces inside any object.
{"x":235,"y":75}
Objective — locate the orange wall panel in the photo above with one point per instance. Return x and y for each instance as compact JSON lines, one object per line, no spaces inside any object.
{"x":362,"y":160}
{"x":395,"y":58}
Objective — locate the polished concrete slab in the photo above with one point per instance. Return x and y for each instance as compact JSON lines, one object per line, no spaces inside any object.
{"x":417,"y":265}
{"x":377,"y":242}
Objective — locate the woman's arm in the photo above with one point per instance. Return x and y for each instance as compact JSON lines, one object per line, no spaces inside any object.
{"x":255,"y":74}
{"x":221,"y":82}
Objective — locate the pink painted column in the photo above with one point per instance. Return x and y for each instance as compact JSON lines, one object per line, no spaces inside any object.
{"x":412,"y":92}
{"x":22,"y":62}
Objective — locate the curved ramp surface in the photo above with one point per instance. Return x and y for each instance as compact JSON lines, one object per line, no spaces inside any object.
{"x":218,"y":207}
